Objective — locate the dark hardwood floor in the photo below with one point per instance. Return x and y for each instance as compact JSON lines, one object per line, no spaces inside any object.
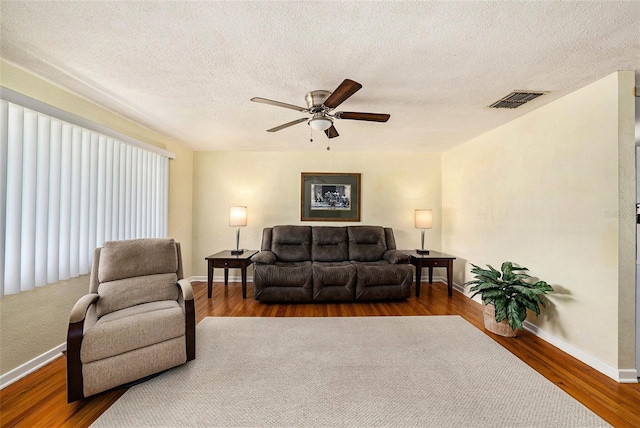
{"x":39,"y":400}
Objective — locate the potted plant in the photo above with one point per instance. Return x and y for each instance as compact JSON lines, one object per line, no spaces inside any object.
{"x":506,"y":296}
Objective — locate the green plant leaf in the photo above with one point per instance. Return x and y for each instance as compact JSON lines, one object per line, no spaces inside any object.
{"x":528,"y":303}
{"x":543,"y":286}
{"x":507,"y":272}
{"x":500,"y":304}
{"x":488,"y":273}
{"x":492,"y":294}
{"x":494,"y":272}
{"x":527,"y":290}
{"x":516,"y":314}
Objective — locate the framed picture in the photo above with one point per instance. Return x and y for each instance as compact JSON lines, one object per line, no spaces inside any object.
{"x":328,"y":196}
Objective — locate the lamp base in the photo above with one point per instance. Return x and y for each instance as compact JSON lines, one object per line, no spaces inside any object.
{"x":422,"y":251}
{"x":236,"y":252}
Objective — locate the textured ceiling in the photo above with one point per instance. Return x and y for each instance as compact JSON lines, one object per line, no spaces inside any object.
{"x":188,"y":69}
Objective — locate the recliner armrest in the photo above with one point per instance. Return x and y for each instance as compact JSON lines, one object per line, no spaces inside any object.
{"x":185,"y":289}
{"x":79,"y":311}
{"x":264,"y":258}
{"x":396,"y":256}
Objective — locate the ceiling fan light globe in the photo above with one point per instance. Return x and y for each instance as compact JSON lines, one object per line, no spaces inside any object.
{"x":320,"y":123}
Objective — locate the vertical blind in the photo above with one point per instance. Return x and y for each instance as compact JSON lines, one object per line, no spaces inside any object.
{"x":66,"y":190}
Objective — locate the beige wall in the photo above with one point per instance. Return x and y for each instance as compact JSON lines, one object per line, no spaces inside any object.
{"x":553,"y":191}
{"x":34,"y":322}
{"x":268,"y":183}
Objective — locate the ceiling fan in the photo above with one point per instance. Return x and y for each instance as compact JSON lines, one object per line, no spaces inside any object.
{"x":320,"y":105}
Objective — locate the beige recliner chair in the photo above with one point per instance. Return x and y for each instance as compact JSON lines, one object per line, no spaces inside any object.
{"x":138,"y":320}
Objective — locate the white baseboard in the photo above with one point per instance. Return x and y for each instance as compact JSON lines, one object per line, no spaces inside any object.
{"x":31,"y":366}
{"x":619,"y":375}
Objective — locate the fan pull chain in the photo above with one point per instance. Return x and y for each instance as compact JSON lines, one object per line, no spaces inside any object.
{"x":311,"y":137}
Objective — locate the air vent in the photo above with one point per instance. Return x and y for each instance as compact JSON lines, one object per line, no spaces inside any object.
{"x":516,"y":99}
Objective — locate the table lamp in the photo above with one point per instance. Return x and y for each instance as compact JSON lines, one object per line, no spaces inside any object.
{"x":423,"y":220}
{"x":237,"y":218}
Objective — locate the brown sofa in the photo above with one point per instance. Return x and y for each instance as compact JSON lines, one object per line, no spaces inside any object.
{"x":329,"y":263}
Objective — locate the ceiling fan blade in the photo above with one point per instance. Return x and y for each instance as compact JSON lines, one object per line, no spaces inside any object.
{"x":286,"y":125}
{"x":371,"y":117}
{"x":331,"y":132}
{"x":342,"y":92}
{"x":277,"y":104}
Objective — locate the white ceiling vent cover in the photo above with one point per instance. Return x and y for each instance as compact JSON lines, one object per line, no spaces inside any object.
{"x":516,"y":98}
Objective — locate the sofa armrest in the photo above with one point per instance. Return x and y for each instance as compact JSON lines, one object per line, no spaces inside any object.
{"x":396,"y":256}
{"x":264,"y":258}
{"x":80,"y":309}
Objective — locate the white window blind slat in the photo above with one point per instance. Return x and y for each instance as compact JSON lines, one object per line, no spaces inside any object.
{"x":14,"y":201}
{"x":65,"y":191}
{"x":122,"y":193}
{"x":129,"y":188}
{"x":115,"y":200}
{"x":29,"y":187}
{"x":85,"y":188}
{"x":42,"y":203}
{"x":53,"y":223}
{"x":93,"y":192}
{"x":4,"y":146}
{"x":74,"y":233}
{"x":101,"y":190}
{"x":64,"y":260}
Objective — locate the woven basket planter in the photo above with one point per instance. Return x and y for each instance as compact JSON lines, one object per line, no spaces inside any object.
{"x":499,"y":328}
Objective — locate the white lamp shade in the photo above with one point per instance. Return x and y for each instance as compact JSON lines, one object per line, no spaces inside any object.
{"x":320,"y":123}
{"x":238,"y":216}
{"x":423,"y":219}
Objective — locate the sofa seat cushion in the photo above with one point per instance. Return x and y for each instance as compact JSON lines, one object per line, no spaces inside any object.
{"x":283,"y":274}
{"x":329,"y":244}
{"x":132,"y":328}
{"x":334,"y":281}
{"x":292,"y":264}
{"x":381,"y":281}
{"x":382,"y":273}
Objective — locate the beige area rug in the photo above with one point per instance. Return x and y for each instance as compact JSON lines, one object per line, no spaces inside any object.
{"x":431,"y":371}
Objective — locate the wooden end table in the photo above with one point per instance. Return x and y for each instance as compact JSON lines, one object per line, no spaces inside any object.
{"x":431,"y":260}
{"x":226,"y":260}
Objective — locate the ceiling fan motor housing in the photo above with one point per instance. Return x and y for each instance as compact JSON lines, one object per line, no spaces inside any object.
{"x":315,"y":100}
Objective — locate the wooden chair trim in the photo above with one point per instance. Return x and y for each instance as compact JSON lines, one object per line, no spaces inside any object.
{"x":190,"y":328}
{"x":75,"y":383}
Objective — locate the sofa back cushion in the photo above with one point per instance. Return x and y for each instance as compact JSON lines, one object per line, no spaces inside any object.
{"x":329,"y":244}
{"x":127,"y":292}
{"x":366,"y":243}
{"x":291,"y":243}
{"x":137,"y":257}
{"x":136,"y":271}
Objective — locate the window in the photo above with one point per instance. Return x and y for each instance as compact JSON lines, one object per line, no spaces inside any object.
{"x":67,"y":186}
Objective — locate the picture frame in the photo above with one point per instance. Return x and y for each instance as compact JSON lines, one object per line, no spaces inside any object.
{"x":329,"y":196}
